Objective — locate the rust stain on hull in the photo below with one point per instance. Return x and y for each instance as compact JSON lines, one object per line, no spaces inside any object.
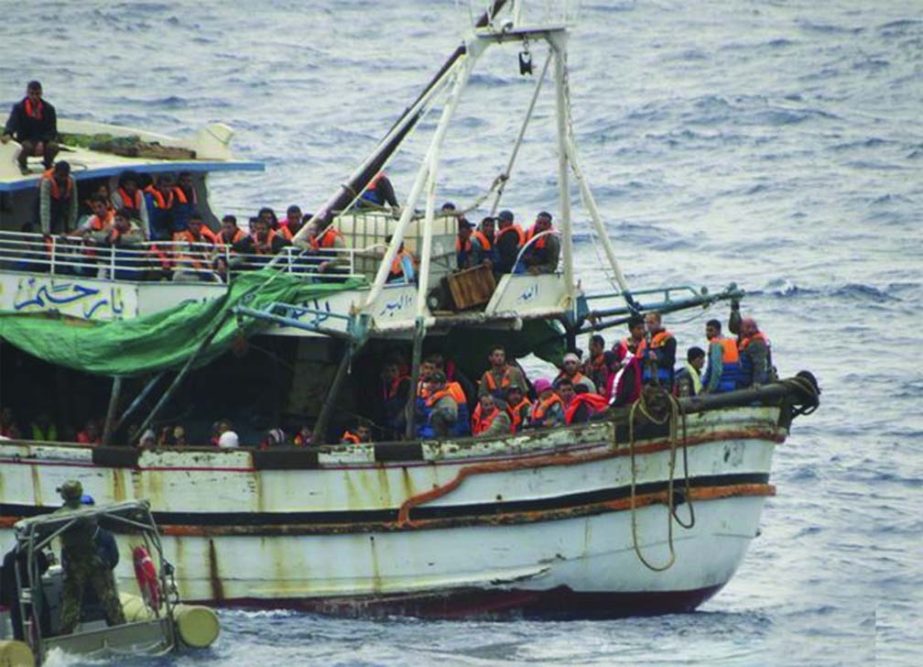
{"x":213,"y":576}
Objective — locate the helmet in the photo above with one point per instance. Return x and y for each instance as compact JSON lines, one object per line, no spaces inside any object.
{"x":71,"y":490}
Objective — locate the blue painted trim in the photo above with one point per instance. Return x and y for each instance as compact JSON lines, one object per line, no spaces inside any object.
{"x":158,"y":168}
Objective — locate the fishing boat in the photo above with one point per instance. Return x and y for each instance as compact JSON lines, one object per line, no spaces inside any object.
{"x":649,"y":508}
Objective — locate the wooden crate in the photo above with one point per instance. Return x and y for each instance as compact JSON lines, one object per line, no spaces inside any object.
{"x":471,"y":287}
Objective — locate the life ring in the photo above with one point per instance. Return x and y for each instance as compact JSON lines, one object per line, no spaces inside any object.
{"x":146,"y":576}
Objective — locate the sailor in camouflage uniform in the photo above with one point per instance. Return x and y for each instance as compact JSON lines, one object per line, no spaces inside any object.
{"x":83,"y":565}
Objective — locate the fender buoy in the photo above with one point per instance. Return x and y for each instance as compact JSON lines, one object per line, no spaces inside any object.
{"x":146,"y":576}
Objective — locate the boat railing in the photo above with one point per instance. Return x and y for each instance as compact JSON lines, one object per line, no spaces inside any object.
{"x":148,"y":261}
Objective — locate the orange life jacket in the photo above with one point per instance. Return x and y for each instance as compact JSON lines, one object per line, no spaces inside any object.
{"x":538,"y":245}
{"x":208,"y":236}
{"x":513,"y":229}
{"x":542,"y":406}
{"x":263,"y":248}
{"x":160,"y":201}
{"x":459,"y":247}
{"x":457,"y":392}
{"x":129,"y":202}
{"x":595,"y":402}
{"x":482,"y":239}
{"x":492,"y":381}
{"x":326,"y":239}
{"x":55,"y":188}
{"x":349,"y":436}
{"x":97,"y":224}
{"x":745,"y":342}
{"x":481,"y":422}
{"x":436,"y":396}
{"x":35,"y":111}
{"x":516,"y":413}
{"x":238,"y":236}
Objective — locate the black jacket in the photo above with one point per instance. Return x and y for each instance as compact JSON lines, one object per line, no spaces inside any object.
{"x":23,"y":127}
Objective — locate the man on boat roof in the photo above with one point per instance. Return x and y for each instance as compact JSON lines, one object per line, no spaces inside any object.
{"x":378,"y":193}
{"x":33,"y":122}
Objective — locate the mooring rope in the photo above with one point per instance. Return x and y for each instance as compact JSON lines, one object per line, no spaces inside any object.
{"x":672,"y":418}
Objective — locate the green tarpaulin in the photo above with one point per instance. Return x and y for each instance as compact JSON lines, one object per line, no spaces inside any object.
{"x":164,"y":340}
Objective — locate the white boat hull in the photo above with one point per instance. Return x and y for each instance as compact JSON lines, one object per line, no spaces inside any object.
{"x":540,"y":523}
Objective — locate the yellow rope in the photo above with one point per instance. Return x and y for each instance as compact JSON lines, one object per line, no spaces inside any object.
{"x":672,"y":418}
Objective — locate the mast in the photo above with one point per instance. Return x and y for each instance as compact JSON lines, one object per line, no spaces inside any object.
{"x":399,"y":131}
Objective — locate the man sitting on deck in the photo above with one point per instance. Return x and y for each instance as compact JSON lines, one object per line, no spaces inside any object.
{"x":488,"y":419}
{"x":542,"y":255}
{"x":570,"y":370}
{"x":160,"y":200}
{"x":548,"y":409}
{"x":34,"y":124}
{"x":755,"y":355}
{"x":129,"y":196}
{"x":439,"y":413}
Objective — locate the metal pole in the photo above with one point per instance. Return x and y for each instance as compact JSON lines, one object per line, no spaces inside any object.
{"x":135,"y":404}
{"x":474,"y":50}
{"x":522,"y":133}
{"x":320,"y":426}
{"x":419,"y":332}
{"x":559,"y":44}
{"x":108,"y":427}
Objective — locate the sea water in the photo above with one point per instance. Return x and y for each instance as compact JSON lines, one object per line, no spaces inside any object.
{"x":775,"y":144}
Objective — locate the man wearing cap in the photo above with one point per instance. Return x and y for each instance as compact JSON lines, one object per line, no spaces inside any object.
{"x":57,"y":200}
{"x":440,"y":411}
{"x":34,"y":124}
{"x":83,"y":565}
{"x":464,"y":248}
{"x":570,"y":370}
{"x":509,"y":241}
{"x":543,"y":253}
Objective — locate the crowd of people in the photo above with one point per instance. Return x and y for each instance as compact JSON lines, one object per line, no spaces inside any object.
{"x":504,"y":400}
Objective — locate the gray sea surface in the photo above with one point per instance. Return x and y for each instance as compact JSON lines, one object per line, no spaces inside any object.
{"x":775,"y":144}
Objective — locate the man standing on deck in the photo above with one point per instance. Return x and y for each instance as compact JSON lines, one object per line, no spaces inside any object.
{"x":723,"y":361}
{"x":34,"y":124}
{"x":755,"y":355}
{"x":500,"y":377}
{"x":82,"y":565}
{"x":659,"y":353}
